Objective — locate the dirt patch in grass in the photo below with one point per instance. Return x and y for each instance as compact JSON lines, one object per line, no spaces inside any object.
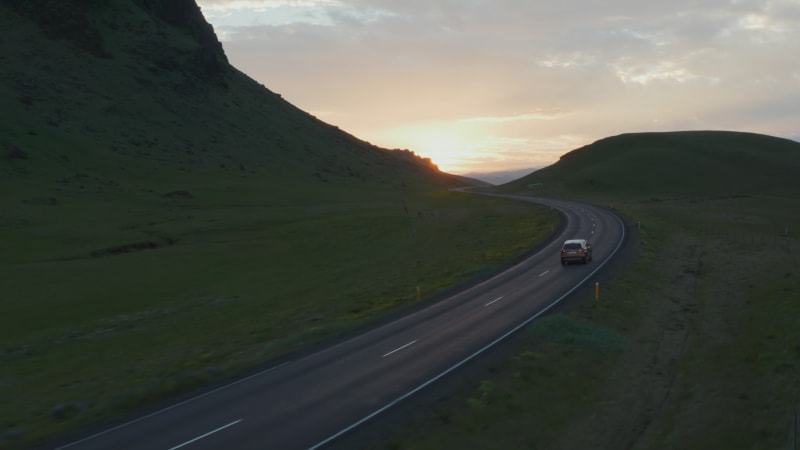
{"x":134,"y":247}
{"x":736,"y":385}
{"x":643,"y":379}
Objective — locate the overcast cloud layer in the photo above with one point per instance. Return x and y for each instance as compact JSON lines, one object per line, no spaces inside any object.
{"x":489,"y":85}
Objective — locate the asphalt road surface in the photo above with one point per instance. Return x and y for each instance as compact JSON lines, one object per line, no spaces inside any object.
{"x":309,"y":402}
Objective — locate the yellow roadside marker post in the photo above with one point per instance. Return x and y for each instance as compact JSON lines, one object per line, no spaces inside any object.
{"x":418,"y":296}
{"x":597,"y":291}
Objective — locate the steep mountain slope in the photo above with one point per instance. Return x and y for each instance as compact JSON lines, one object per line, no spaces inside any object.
{"x":675,"y":164}
{"x":128,"y":94}
{"x":166,"y":221}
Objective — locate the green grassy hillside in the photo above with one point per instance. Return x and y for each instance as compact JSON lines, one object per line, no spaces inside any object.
{"x":694,"y":341}
{"x":148,"y":109}
{"x":167,"y":221}
{"x":675,"y":164}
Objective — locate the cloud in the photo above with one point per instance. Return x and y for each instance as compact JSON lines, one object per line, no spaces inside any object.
{"x":518,"y":74}
{"x":539,"y":114}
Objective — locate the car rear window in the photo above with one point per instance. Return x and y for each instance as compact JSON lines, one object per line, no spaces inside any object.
{"x":572,"y":246}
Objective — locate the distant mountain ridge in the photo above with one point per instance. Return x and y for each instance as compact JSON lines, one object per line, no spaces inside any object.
{"x":500,"y":176}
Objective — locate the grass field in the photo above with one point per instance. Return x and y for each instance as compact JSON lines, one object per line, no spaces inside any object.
{"x":693,"y":346}
{"x":90,"y":332}
{"x":167,"y":221}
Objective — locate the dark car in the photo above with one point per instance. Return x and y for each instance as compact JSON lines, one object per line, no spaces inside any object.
{"x":578,"y":250}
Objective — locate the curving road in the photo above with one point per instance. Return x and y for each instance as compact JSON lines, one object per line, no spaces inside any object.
{"x":309,"y":402}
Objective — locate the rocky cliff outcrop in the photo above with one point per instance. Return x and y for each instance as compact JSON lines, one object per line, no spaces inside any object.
{"x":84,"y":23}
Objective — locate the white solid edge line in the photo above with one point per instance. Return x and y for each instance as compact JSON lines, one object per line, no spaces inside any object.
{"x":206,"y":435}
{"x":155,"y":413}
{"x":470,"y":357}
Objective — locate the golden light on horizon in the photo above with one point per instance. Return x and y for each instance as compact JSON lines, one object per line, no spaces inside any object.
{"x":448,"y":145}
{"x":496,"y":87}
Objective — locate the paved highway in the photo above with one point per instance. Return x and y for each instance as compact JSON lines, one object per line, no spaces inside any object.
{"x":309,"y":402}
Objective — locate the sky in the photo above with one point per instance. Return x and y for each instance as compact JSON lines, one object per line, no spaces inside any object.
{"x":492,"y":85}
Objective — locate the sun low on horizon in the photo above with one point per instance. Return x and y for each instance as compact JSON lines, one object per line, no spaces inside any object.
{"x":463,"y":146}
{"x":449,"y":146}
{"x":498,"y":85}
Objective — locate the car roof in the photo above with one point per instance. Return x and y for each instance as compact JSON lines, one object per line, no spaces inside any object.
{"x":574,"y":241}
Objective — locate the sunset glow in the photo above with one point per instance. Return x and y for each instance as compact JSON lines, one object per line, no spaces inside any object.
{"x":503,"y":85}
{"x":447,"y":144}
